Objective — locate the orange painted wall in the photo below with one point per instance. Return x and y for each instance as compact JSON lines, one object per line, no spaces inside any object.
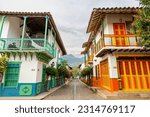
{"x":113,"y":84}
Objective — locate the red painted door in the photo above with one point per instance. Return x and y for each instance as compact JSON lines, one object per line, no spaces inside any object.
{"x":119,"y":32}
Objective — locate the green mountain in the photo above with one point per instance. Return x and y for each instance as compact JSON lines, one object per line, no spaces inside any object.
{"x":72,"y":60}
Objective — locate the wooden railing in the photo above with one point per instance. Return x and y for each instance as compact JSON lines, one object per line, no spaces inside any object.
{"x":26,"y":44}
{"x":111,"y":40}
{"x":90,"y":58}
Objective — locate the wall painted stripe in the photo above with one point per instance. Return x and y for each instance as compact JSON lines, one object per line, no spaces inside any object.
{"x":143,"y":76}
{"x":137,"y":76}
{"x":125,"y":76}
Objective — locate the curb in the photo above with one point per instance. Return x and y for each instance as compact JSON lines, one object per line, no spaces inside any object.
{"x":66,"y":83}
{"x":92,"y":89}
{"x":52,"y":91}
{"x":85,"y":84}
{"x":38,"y":97}
{"x":95,"y":90}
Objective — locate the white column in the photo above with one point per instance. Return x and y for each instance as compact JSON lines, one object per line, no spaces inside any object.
{"x":112,"y":62}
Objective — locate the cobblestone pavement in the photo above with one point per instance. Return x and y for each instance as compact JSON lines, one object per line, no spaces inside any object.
{"x":75,"y":90}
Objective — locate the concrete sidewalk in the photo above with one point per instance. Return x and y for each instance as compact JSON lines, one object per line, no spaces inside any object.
{"x":119,"y":95}
{"x":38,"y":97}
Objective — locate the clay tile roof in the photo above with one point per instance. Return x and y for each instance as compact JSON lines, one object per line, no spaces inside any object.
{"x":24,"y":13}
{"x":98,"y":14}
{"x":85,"y":44}
{"x":83,"y":52}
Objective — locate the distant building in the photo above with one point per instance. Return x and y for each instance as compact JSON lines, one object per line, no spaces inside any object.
{"x":30,"y":40}
{"x":120,"y":63}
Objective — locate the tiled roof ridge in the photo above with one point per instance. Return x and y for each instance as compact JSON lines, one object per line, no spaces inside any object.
{"x":23,"y":13}
{"x":108,"y":8}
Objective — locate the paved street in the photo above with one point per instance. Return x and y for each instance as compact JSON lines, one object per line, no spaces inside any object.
{"x":75,"y":90}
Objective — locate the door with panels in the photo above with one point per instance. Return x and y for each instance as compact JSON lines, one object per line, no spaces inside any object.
{"x":119,"y":38}
{"x":104,"y":71}
{"x":134,"y":74}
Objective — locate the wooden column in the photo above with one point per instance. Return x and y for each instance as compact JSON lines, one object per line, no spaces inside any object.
{"x":23,"y":31}
{"x":2,"y":24}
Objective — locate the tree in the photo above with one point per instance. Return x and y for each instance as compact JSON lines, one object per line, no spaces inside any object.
{"x":63,"y":71}
{"x":87,"y":71}
{"x":3,"y":63}
{"x":142,"y":23}
{"x":75,"y":71}
{"x":51,"y":71}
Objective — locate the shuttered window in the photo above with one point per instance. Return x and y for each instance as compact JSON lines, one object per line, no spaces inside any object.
{"x":12,"y":75}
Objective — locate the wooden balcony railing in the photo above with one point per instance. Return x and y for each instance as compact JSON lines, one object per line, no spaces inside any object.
{"x":90,"y":58}
{"x":111,"y":40}
{"x":26,"y":44}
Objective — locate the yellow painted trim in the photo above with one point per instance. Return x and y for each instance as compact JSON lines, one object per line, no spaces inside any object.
{"x":133,"y":55}
{"x":137,"y":90}
{"x":127,"y":41}
{"x":143,"y":76}
{"x":113,"y":41}
{"x":148,"y":71}
{"x":137,"y":76}
{"x":125,"y":76}
{"x":131,"y":76}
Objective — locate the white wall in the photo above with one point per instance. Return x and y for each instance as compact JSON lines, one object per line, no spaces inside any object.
{"x":14,"y":28}
{"x":11,"y":29}
{"x":114,"y":18}
{"x":5,"y":28}
{"x":28,"y":72}
{"x":112,"y":62}
{"x":23,"y":58}
{"x":39,"y":72}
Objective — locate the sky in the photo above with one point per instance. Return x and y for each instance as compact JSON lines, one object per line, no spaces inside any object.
{"x":71,"y":16}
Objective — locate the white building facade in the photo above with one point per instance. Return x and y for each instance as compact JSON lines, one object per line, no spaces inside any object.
{"x":30,"y":41}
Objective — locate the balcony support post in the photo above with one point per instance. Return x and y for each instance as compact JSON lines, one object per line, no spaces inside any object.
{"x":84,"y":58}
{"x":23,"y":31}
{"x":2,"y":24}
{"x":134,"y":29}
{"x":103,"y":31}
{"x":45,"y":34}
{"x":55,"y":45}
{"x":51,"y":35}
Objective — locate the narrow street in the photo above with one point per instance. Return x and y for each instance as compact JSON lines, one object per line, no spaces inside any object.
{"x":75,"y":90}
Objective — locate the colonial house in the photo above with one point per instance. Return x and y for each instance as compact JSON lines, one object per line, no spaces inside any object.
{"x":120,"y":62}
{"x":30,"y":40}
{"x":88,"y":53}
